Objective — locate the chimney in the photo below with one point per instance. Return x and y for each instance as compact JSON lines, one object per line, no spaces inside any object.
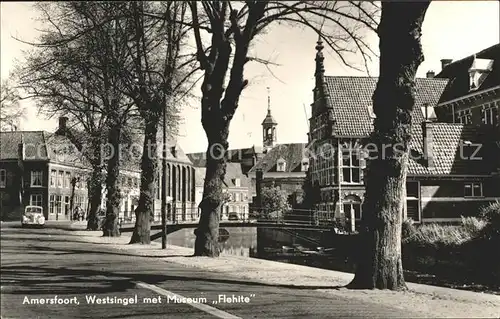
{"x":430,"y":74}
{"x":21,"y":150}
{"x":63,"y":120}
{"x":445,"y":62}
{"x":428,"y":143}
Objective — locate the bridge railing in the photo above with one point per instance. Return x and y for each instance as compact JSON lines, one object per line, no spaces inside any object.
{"x":296,"y":216}
{"x":183,"y":214}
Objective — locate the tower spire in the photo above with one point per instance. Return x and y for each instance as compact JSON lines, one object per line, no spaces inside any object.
{"x":268,"y":101}
{"x":269,"y":125}
{"x":320,"y":67}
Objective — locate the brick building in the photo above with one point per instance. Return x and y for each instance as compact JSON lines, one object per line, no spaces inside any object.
{"x":238,"y":187}
{"x":443,"y":181}
{"x":37,"y":168}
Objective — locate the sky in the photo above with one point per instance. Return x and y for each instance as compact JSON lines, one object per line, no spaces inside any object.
{"x":451,"y":30}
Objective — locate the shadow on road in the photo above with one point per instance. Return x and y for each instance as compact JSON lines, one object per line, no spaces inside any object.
{"x":45,"y":280}
{"x":35,"y":277}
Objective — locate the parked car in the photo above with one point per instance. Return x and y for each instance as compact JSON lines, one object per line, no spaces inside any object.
{"x":232,"y":216}
{"x":33,"y":216}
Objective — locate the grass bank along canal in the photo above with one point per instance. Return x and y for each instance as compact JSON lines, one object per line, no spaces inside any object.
{"x":320,"y":250}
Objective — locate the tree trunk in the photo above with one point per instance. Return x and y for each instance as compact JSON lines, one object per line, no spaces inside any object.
{"x":207,"y":233}
{"x":144,"y":210}
{"x":110,"y":228}
{"x":379,"y":262}
{"x":95,"y":196}
{"x":72,"y":198}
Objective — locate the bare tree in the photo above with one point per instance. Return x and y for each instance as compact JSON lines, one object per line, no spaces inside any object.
{"x":57,"y":75}
{"x":157,"y":75}
{"x":231,"y":31}
{"x":74,"y":73}
{"x":379,"y":264}
{"x":10,"y":110}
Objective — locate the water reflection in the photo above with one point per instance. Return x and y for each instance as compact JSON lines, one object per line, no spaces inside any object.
{"x":242,"y":241}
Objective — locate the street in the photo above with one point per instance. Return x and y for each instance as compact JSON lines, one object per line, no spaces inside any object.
{"x":50,"y":273}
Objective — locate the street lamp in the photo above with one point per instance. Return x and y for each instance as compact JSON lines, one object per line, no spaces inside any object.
{"x":164,"y":184}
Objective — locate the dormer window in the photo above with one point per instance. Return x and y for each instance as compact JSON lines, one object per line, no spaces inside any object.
{"x":477,"y":72}
{"x":237,"y":182}
{"x":371,"y":112}
{"x":281,"y":165}
{"x":429,"y":112}
{"x":174,"y":151}
{"x":304,"y":167}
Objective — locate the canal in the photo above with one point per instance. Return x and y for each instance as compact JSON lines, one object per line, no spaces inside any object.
{"x":275,"y":245}
{"x":236,"y":241}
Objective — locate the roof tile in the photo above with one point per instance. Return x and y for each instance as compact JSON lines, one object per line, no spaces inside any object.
{"x":292,"y":153}
{"x":350,"y":99}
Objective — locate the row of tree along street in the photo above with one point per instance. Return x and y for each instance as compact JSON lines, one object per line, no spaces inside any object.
{"x":113,"y":68}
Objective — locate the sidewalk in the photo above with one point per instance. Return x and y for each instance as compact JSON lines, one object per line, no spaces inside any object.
{"x":431,"y":301}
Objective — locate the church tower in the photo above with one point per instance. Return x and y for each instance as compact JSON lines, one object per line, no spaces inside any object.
{"x":268,"y":127}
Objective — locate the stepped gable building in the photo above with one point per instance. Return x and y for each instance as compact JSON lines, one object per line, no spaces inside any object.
{"x":451,"y":169}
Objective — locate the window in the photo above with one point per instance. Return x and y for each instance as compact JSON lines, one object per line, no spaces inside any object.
{"x":130,"y":183}
{"x":353,"y":207}
{"x":36,"y":200}
{"x":428,"y":111}
{"x":412,"y":210}
{"x":371,"y":112}
{"x":281,"y":165}
{"x":489,"y":114}
{"x":412,"y":189}
{"x":412,"y":201}
{"x":126,"y":207}
{"x":304,"y":165}
{"x":58,"y":204}
{"x":3,"y":178}
{"x":473,"y":190}
{"x":237,"y":182}
{"x":351,"y":168}
{"x":67,"y":180}
{"x":465,"y":117}
{"x":52,"y":205}
{"x":158,"y":185}
{"x":66,"y":205}
{"x":53,"y":178}
{"x":135,"y":182}
{"x":36,"y":178}
{"x":60,"y":177}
